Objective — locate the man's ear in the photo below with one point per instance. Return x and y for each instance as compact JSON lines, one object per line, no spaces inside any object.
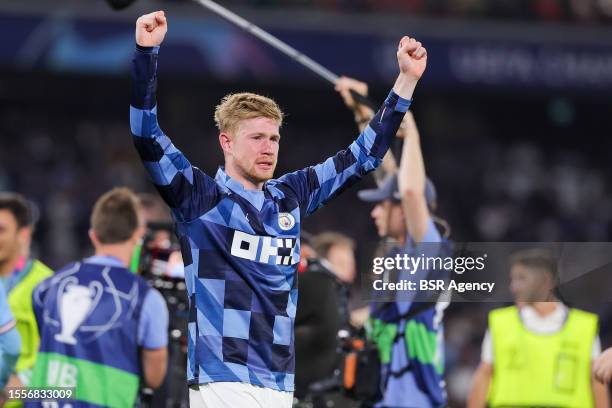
{"x":551,"y":281}
{"x":138,"y":234}
{"x":93,"y":238}
{"x":225,"y":140}
{"x":24,"y":237}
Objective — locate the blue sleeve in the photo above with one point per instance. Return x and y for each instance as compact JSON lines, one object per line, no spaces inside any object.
{"x":6,"y":317}
{"x":316,"y":185}
{"x":10,"y":346}
{"x":186,"y":189}
{"x":430,"y":246}
{"x":153,"y":325}
{"x":430,"y":240}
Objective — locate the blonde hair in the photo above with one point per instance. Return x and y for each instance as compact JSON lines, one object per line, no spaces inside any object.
{"x":237,"y":107}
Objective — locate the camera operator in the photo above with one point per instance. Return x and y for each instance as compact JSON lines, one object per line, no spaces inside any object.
{"x":339,"y":250}
{"x":159,"y":262}
{"x":317,"y":320}
{"x":159,"y":254}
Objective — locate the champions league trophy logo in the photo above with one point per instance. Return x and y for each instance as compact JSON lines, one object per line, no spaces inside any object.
{"x":74,"y":306}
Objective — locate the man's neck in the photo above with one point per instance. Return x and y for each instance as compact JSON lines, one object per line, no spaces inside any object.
{"x":545,"y":308}
{"x":8,"y":267}
{"x":246,"y":182}
{"x":122,"y":252}
{"x":400,"y":239}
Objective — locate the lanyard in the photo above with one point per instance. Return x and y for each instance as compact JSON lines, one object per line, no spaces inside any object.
{"x":17,"y":276}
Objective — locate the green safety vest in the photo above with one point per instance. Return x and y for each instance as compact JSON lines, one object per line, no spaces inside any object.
{"x":20,"y":303}
{"x":544,"y":370}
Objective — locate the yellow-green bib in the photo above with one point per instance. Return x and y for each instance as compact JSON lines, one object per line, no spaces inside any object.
{"x":20,"y":302}
{"x":551,"y":370}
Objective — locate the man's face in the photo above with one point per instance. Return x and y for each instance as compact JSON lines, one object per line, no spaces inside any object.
{"x":529,"y":284}
{"x":389,"y":219}
{"x":342,"y":259}
{"x":9,"y":236}
{"x":254,"y":148}
{"x":306,"y":251}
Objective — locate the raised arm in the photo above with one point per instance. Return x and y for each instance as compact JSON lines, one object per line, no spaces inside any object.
{"x":187,"y":190}
{"x":411,"y":180}
{"x":602,"y":367}
{"x":363,"y":115}
{"x":479,"y":391}
{"x":412,"y":169}
{"x":318,"y":184}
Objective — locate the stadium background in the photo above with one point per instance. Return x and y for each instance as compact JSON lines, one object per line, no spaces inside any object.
{"x":514,"y":113}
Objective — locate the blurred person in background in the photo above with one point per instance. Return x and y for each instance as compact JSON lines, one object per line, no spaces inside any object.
{"x":602,"y":367}
{"x":317,"y":321}
{"x":411,"y":375}
{"x":240,"y":231}
{"x":155,"y":212}
{"x":539,"y":351}
{"x":159,"y":238}
{"x":20,"y":274}
{"x":10,"y":343}
{"x":102,"y":327}
{"x":339,"y":250}
{"x":158,"y":260}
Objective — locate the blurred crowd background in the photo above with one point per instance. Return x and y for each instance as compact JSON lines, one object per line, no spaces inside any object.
{"x":514,"y":113}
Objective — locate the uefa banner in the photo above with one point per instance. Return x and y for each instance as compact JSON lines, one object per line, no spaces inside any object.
{"x":209,"y":47}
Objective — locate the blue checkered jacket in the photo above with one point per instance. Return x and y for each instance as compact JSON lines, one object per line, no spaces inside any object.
{"x":241,"y":247}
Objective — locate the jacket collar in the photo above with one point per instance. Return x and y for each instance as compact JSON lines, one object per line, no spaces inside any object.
{"x":255,"y":197}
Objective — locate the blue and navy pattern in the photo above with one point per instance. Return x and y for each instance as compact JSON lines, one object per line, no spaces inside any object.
{"x":241,"y":247}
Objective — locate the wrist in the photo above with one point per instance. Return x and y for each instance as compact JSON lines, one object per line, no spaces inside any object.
{"x":362,"y":113}
{"x":361,"y":120}
{"x":147,"y":49}
{"x":404,"y":86}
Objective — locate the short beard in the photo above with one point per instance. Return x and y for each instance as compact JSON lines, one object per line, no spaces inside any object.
{"x":254,"y":178}
{"x":257,"y":179}
{"x":6,"y":263}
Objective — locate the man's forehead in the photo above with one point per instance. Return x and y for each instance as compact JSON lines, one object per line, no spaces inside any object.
{"x":6,"y":216}
{"x":526,"y":269}
{"x":258,"y":125}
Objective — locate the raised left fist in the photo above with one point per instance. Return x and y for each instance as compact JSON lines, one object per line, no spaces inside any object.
{"x":151,"y":29}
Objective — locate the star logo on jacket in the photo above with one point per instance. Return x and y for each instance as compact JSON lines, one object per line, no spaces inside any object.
{"x":286,"y":221}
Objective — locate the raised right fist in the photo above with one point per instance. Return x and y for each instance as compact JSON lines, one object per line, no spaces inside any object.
{"x":151,"y":29}
{"x":411,"y":57}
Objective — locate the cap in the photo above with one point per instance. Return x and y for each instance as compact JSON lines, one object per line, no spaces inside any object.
{"x":389,"y":190}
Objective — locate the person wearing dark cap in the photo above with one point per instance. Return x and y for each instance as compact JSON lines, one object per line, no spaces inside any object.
{"x":407,"y":332}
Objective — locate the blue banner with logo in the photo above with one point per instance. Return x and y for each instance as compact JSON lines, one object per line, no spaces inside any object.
{"x":214,"y":48}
